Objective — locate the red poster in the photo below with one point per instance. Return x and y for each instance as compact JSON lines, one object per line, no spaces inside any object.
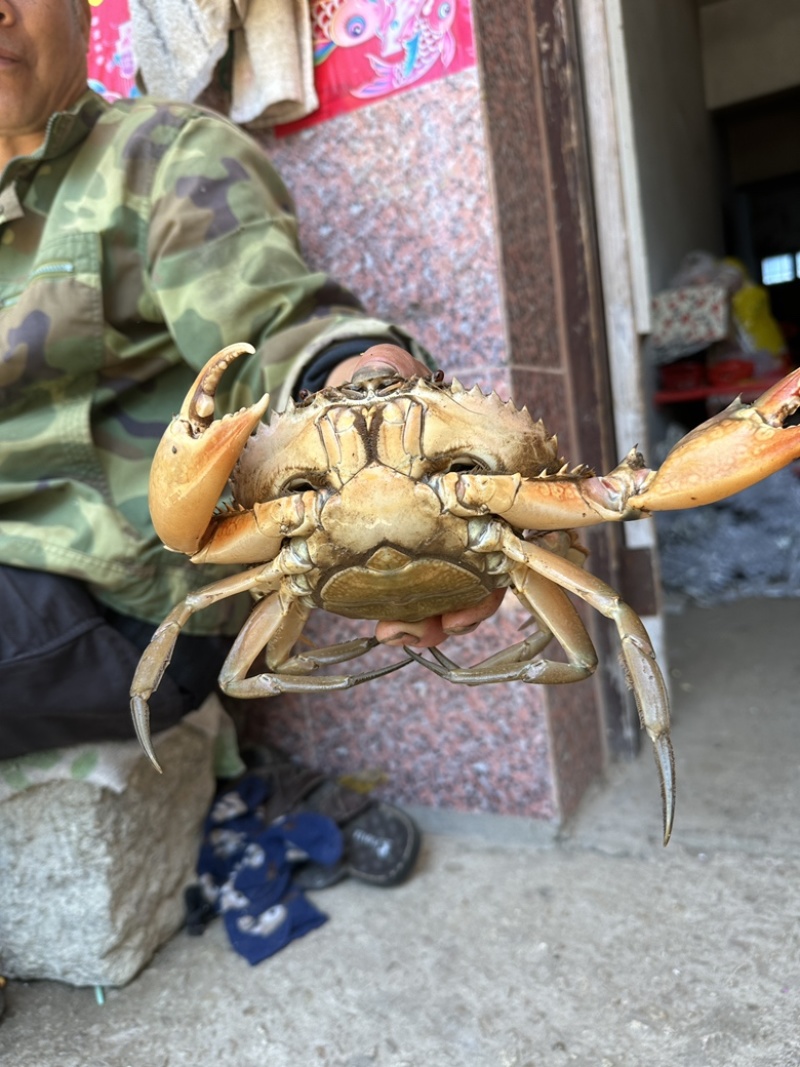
{"x":112,"y":66}
{"x":365,"y":50}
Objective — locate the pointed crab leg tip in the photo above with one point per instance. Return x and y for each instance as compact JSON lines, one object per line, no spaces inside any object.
{"x":148,"y":751}
{"x":665,"y":761}
{"x":141,"y":724}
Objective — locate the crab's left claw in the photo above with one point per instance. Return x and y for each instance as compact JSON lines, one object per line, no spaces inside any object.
{"x":740,"y":446}
{"x":196,"y":456}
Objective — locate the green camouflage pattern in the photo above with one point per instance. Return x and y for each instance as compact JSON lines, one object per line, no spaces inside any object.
{"x":140,"y":239}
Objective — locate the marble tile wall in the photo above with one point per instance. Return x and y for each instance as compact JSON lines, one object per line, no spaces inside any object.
{"x":394,"y":201}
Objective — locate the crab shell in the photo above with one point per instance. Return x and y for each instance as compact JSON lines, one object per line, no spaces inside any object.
{"x":419,"y":427}
{"x":383,"y":546}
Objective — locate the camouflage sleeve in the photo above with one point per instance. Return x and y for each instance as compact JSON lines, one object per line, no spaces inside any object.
{"x":224,"y":265}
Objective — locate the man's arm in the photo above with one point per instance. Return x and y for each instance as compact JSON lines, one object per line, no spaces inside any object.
{"x":224,"y":266}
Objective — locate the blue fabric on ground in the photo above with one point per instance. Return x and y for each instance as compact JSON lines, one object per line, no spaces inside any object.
{"x":257,"y":936}
{"x":245,"y":868}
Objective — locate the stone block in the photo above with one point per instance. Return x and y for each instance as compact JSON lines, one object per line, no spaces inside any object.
{"x":92,"y":879}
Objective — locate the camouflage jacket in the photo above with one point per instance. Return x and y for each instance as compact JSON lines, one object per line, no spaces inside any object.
{"x":137,"y":241}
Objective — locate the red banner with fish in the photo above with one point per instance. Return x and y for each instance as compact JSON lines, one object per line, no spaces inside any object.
{"x":366,"y":50}
{"x":112,"y":64}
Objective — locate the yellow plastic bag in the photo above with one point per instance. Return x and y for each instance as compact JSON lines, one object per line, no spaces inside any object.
{"x":752,"y":314}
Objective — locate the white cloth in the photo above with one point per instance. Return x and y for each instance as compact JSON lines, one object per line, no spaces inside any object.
{"x":110,"y":763}
{"x":178,"y":44}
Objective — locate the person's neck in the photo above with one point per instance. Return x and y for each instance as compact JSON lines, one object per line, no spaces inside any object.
{"x":25,"y":142}
{"x":19,"y":145}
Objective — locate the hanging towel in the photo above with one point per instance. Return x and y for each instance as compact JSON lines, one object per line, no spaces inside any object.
{"x":178,"y":44}
{"x":273,"y":63}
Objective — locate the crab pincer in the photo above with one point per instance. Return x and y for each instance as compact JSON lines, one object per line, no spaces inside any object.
{"x":196,"y":455}
{"x":729,"y":452}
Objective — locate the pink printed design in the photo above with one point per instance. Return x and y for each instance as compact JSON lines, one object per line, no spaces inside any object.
{"x":112,"y":64}
{"x":368,"y":49}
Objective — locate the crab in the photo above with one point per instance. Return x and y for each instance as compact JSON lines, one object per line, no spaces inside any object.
{"x":402,"y":499}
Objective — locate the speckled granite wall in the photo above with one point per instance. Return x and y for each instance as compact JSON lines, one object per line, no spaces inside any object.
{"x":394,"y":201}
{"x":397,"y":201}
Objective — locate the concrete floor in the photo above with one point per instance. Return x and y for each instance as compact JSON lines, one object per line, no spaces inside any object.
{"x":511,"y":947}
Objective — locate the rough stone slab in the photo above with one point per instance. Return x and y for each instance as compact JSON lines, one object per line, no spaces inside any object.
{"x":91,"y":881}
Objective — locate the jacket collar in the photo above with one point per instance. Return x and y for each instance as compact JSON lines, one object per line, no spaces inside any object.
{"x":65,"y":130}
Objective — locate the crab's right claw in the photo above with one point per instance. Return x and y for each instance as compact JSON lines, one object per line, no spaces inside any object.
{"x":196,"y":456}
{"x":740,"y":446}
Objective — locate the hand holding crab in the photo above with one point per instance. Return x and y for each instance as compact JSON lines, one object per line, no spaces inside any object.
{"x":403,"y":499}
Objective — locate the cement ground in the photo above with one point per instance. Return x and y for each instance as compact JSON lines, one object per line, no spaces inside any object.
{"x":516,"y":947}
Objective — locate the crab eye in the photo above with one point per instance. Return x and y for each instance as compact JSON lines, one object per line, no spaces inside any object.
{"x":297,"y":485}
{"x":464,"y":465}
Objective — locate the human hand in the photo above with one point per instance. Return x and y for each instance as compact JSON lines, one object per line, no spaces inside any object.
{"x":438,"y":628}
{"x":389,"y":358}
{"x":432,"y":631}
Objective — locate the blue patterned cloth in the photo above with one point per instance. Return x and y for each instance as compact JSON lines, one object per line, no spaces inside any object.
{"x":245,"y":868}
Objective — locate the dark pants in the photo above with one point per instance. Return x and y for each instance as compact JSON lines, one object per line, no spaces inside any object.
{"x":66,"y":665}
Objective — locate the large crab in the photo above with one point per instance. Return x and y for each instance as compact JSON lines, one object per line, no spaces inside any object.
{"x":393,"y":498}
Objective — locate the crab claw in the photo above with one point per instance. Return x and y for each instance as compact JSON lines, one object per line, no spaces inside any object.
{"x":740,"y":446}
{"x":196,"y":456}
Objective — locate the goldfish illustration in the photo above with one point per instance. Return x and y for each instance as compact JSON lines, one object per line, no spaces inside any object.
{"x":413,"y":34}
{"x":346,"y":23}
{"x":425,"y":40}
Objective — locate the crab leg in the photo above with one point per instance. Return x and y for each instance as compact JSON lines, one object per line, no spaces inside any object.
{"x":644,"y":674}
{"x":308,"y":662}
{"x":157,"y":655}
{"x":543,"y":595}
{"x":196,"y":456}
{"x":274,"y":624}
{"x":558,"y":618}
{"x":549,"y":502}
{"x":522,"y":652}
{"x":270,"y":685}
{"x":740,"y":446}
{"x":258,"y":533}
{"x":261,"y":629}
